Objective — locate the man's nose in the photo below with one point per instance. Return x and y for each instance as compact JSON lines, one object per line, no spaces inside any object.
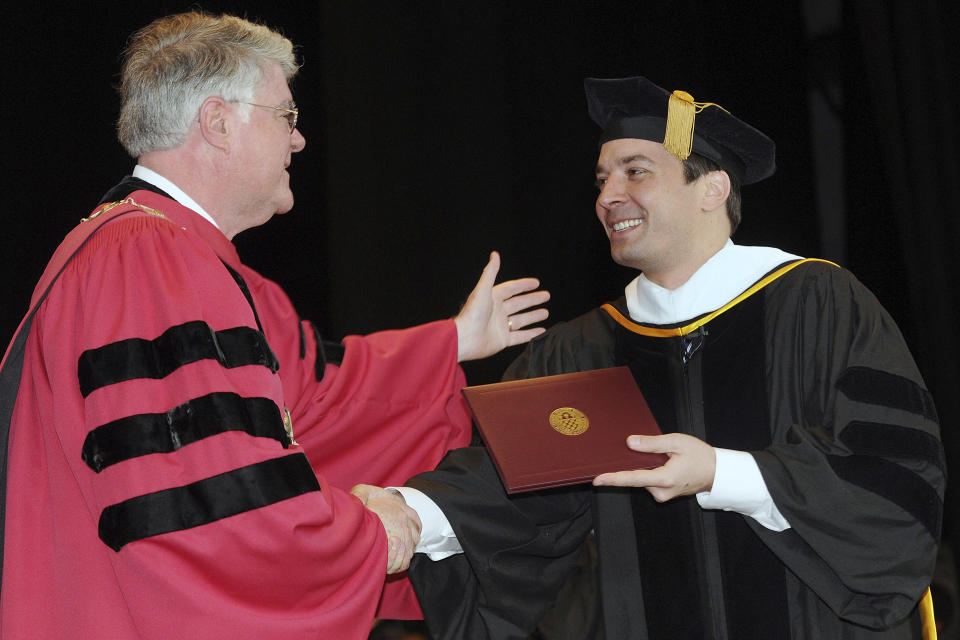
{"x":611,"y":193}
{"x":297,"y":141}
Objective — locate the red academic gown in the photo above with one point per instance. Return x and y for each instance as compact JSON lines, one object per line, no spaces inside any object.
{"x":153,"y":490}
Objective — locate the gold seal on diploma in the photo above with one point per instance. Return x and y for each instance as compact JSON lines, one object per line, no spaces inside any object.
{"x":569,"y":421}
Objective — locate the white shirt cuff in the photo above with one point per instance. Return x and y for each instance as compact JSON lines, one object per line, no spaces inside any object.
{"x":738,"y":486}
{"x":437,"y":539}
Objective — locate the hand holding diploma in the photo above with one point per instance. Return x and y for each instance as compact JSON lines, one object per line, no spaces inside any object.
{"x":689,"y":470}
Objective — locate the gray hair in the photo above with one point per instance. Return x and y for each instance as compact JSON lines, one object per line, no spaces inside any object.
{"x":175,"y":63}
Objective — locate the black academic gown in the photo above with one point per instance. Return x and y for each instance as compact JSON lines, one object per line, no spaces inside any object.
{"x":808,"y":373}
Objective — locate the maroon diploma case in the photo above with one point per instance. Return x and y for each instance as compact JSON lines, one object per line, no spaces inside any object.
{"x":564,"y":429}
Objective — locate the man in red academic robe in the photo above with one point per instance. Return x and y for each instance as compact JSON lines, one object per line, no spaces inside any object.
{"x":181,"y":444}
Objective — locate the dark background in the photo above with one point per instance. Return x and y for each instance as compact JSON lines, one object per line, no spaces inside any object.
{"x":438,"y":131}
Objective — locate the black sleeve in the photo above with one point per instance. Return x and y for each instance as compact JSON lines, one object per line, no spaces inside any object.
{"x":856,"y":467}
{"x":518,"y":550}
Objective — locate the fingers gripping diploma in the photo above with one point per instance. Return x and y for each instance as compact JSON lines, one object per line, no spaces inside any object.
{"x":400,"y":522}
{"x":689,"y":470}
{"x":494,"y":316}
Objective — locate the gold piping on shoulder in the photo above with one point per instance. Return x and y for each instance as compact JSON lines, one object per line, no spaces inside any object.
{"x":110,"y":205}
{"x":693,"y":326}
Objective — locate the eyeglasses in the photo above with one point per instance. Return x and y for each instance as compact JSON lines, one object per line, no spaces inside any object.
{"x":290,"y":114}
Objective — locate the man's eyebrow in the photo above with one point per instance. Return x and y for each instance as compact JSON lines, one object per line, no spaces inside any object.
{"x":637,"y":157}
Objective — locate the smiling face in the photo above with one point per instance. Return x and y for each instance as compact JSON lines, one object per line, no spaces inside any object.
{"x":263,"y":151}
{"x":653,"y":217}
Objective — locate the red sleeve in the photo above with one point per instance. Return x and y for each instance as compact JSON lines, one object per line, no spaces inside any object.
{"x":390,"y":410}
{"x":215,"y":530}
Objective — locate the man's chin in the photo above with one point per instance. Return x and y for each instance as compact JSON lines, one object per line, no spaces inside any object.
{"x":624,"y":259}
{"x":285,"y":206}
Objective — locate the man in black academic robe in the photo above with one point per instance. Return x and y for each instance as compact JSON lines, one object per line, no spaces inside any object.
{"x":803,"y":493}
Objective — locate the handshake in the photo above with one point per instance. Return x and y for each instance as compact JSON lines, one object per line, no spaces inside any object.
{"x":400,"y":521}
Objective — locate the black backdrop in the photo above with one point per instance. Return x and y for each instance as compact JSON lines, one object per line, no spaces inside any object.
{"x":437,"y":131}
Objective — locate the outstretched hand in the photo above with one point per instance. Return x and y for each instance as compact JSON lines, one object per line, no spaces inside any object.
{"x":401,"y":523}
{"x":690,"y":469}
{"x":495,"y":316}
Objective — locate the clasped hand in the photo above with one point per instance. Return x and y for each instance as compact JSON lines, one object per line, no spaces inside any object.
{"x":400,"y":522}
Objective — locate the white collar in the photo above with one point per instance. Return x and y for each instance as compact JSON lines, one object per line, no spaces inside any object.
{"x":172,"y":190}
{"x":722,"y":278}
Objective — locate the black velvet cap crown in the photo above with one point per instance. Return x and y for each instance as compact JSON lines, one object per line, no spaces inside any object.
{"x":637,"y":108}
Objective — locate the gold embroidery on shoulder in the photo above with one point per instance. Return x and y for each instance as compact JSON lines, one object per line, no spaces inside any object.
{"x":110,"y":205}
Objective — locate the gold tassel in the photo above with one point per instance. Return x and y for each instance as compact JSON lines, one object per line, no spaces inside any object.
{"x":681,"y":113}
{"x":681,"y":117}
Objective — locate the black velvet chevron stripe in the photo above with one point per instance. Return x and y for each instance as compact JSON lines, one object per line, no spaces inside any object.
{"x":245,"y":290}
{"x":327,"y":351}
{"x":200,"y":418}
{"x":320,"y":359}
{"x":303,"y":340}
{"x":893,"y":441}
{"x":333,"y":352}
{"x":206,"y":501}
{"x":885,"y":389}
{"x":898,"y":485}
{"x":190,"y":342}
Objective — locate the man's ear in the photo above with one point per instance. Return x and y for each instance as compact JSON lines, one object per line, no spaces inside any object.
{"x":716,"y":190}
{"x":216,"y":123}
